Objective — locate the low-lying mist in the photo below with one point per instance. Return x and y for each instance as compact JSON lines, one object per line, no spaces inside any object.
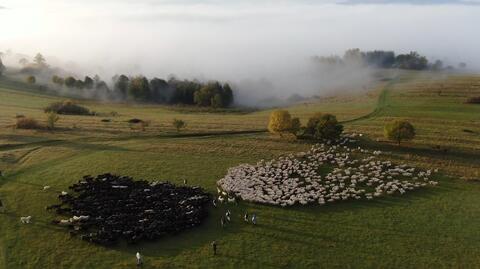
{"x":263,"y":48}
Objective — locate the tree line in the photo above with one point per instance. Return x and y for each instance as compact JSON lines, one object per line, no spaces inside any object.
{"x":385,"y":59}
{"x":156,"y":90}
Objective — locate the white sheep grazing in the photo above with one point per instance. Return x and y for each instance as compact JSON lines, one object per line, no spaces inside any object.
{"x":64,"y":193}
{"x":221,"y":199}
{"x":26,"y":220}
{"x":46,"y":188}
{"x":231,"y":200}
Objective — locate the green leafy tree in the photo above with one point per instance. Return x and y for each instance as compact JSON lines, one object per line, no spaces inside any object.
{"x":58,"y":80}
{"x":79,"y":84}
{"x":217,"y":101}
{"x":52,"y":118}
{"x":120,"y":86}
{"x":321,"y":126}
{"x":328,"y":128}
{"x":88,"y":83}
{"x":160,"y":90}
{"x":178,"y":124}
{"x":70,"y":82}
{"x":399,"y":130}
{"x":295,"y":126}
{"x":280,"y":122}
{"x":227,"y":95}
{"x":139,"y":88}
{"x":354,"y":56}
{"x":31,"y":79}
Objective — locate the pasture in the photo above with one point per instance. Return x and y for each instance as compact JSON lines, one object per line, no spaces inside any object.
{"x":431,"y":227}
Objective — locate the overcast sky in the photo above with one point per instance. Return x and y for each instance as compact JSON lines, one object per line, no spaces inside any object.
{"x":233,"y":38}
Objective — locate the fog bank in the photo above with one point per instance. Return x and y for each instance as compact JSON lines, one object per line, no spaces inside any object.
{"x":244,"y":42}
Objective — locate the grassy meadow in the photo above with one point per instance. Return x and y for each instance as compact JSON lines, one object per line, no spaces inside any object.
{"x":434,"y":227}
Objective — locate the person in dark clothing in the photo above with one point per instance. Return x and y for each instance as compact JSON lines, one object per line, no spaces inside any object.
{"x":214,"y":247}
{"x":1,"y":206}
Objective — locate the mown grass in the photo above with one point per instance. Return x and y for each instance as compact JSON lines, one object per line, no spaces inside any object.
{"x":434,"y":227}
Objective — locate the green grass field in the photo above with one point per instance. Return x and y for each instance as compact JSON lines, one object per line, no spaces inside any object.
{"x":434,"y":227}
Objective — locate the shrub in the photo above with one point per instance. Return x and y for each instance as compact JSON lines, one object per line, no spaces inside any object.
{"x":31,"y":79}
{"x":27,"y":123}
{"x":295,"y":126}
{"x":399,"y":130}
{"x":328,"y":128}
{"x":52,"y":118}
{"x":313,"y":121}
{"x":135,"y":121}
{"x":67,"y":108}
{"x":322,"y":126}
{"x":473,"y":100}
{"x":280,"y":122}
{"x":178,"y":124}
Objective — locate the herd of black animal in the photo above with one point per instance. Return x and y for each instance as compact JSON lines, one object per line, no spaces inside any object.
{"x":108,"y":208}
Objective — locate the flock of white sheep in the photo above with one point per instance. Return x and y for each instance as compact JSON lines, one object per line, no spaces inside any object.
{"x":326,"y":173}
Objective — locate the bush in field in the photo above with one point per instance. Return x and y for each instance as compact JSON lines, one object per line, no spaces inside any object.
{"x":473,"y":100}
{"x":321,"y":126}
{"x":178,"y":124}
{"x":70,"y":82}
{"x":328,"y":128}
{"x":27,"y":123}
{"x":67,"y":108}
{"x":399,"y":131}
{"x":58,"y":80}
{"x":280,"y":122}
{"x":52,"y":118}
{"x":31,"y":79}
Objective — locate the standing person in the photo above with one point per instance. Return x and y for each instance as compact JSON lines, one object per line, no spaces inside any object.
{"x":245,"y":217}
{"x":214,"y":201}
{"x":214,"y":248}
{"x":254,"y":219}
{"x":1,"y":207}
{"x":139,"y":259}
{"x":185,"y":182}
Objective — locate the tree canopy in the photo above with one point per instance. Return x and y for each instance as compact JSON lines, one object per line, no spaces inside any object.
{"x":399,"y":130}
{"x":280,"y":122}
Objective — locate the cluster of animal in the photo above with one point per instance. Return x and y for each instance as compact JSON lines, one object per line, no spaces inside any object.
{"x":109,"y":208}
{"x":326,"y":173}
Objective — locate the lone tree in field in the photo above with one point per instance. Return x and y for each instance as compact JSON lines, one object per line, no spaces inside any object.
{"x":31,"y":79}
{"x":52,"y":118}
{"x":280,"y":122}
{"x":178,"y":124}
{"x":399,"y":131}
{"x":322,"y":126}
{"x":328,"y":127}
